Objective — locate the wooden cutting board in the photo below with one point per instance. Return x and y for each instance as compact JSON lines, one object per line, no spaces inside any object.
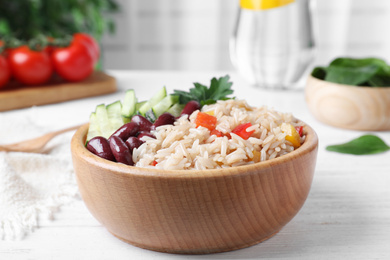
{"x":15,"y":96}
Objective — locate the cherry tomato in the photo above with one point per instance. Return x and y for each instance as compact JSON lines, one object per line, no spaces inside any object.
{"x":92,"y":44}
{"x":30,"y":67}
{"x":73,"y":63}
{"x":5,"y":72}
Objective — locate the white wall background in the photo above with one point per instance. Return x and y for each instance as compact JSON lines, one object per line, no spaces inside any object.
{"x":194,"y":35}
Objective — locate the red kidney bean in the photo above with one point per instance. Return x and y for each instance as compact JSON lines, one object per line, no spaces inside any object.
{"x":144,"y":124}
{"x":133,"y":142}
{"x":100,"y":146}
{"x":164,"y":119}
{"x":190,"y":107}
{"x":144,"y":133}
{"x":127,"y":130}
{"x":120,"y":151}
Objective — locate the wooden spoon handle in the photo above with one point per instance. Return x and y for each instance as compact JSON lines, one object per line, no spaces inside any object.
{"x":35,"y":144}
{"x":55,"y":133}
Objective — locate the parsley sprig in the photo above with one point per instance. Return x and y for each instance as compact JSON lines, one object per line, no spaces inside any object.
{"x":219,"y":89}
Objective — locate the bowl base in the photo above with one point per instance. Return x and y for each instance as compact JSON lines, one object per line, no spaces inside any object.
{"x":193,"y":251}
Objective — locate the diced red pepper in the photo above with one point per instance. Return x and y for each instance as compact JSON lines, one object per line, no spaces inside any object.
{"x":240,"y":130}
{"x":216,"y":132}
{"x":153,"y":163}
{"x":299,"y":130}
{"x":206,"y":120}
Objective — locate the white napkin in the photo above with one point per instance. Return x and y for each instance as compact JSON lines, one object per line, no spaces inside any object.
{"x":34,"y":185}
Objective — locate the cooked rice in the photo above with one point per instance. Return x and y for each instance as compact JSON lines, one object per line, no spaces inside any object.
{"x":183,"y":146}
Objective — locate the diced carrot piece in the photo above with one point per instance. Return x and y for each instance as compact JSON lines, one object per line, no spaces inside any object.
{"x":240,"y":130}
{"x":292,"y":134}
{"x":206,"y":120}
{"x":154,"y":163}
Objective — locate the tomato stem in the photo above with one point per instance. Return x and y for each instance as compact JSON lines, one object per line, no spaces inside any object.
{"x":11,"y":43}
{"x":38,"y":43}
{"x":61,"y":42}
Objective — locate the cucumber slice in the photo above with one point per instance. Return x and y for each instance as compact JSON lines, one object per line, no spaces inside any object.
{"x":93,"y":129}
{"x":114,"y":115}
{"x":165,"y":104}
{"x":126,"y":119}
{"x":162,"y":93}
{"x":150,"y":115}
{"x":129,"y":103}
{"x":158,"y":96}
{"x":176,"y":109}
{"x":138,"y":105}
{"x":136,"y":112}
{"x":102,"y":120}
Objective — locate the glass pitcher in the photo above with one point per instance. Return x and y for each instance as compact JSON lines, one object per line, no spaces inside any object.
{"x":273,"y":43}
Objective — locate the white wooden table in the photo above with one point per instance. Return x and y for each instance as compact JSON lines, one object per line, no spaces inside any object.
{"x":346,"y":216}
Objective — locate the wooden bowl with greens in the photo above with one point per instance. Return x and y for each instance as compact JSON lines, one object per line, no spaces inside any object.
{"x":351,"y":94}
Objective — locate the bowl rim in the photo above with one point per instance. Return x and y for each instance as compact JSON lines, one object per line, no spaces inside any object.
{"x":78,"y":149}
{"x":367,"y":88}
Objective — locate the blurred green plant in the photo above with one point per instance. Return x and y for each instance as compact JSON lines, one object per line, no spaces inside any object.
{"x":27,"y":19}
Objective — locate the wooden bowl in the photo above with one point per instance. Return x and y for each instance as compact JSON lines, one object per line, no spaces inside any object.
{"x":350,"y":107}
{"x":190,"y":211}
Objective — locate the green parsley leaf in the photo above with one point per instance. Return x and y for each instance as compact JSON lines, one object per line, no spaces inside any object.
{"x":366,"y":144}
{"x":219,"y":89}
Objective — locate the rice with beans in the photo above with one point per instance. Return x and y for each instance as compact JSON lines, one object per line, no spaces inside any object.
{"x":184,"y":146}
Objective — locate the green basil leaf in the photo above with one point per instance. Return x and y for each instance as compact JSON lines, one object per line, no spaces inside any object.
{"x":351,"y":75}
{"x":381,"y":78}
{"x":356,"y":63}
{"x":319,"y":72}
{"x":358,"y":72}
{"x":366,"y":144}
{"x":379,"y":81}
